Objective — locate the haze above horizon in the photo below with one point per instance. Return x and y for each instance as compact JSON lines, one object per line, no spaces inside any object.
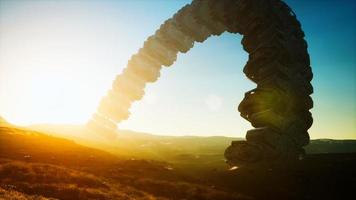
{"x":57,"y":59}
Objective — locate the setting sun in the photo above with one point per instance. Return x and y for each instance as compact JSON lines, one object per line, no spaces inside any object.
{"x":57,"y":60}
{"x":172,"y":100}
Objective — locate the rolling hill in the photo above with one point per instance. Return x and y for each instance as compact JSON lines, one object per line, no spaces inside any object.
{"x":198,"y":153}
{"x":68,"y":162}
{"x":33,"y":163}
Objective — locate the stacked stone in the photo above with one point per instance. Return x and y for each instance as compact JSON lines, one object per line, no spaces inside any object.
{"x":177,"y":34}
{"x":278,"y":63}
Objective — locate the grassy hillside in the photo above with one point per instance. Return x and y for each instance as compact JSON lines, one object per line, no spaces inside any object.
{"x":10,"y":194}
{"x":62,"y":183}
{"x":32,"y":163}
{"x":35,"y":165}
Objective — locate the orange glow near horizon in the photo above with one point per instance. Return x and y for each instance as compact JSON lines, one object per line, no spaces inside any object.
{"x":58,"y":59}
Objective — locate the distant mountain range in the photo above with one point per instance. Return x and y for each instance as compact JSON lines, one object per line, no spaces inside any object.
{"x":170,"y":148}
{"x":175,"y":149}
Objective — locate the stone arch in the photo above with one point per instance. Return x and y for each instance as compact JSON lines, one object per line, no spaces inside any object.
{"x":278,"y":63}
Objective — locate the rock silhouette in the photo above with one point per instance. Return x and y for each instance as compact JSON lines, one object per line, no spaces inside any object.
{"x":278,"y":63}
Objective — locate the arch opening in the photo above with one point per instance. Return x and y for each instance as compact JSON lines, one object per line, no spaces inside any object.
{"x":278,"y":63}
{"x":198,"y":94}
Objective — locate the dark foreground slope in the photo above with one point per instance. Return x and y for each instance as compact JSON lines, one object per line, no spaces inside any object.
{"x":32,"y":163}
{"x":318,"y":176}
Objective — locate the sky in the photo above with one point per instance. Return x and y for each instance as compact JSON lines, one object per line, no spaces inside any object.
{"x":58,"y":58}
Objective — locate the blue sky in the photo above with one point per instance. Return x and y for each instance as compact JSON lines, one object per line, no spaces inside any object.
{"x":57,"y":58}
{"x":330,"y":30}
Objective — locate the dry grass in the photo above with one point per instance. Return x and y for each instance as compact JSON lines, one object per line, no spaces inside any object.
{"x":14,"y":195}
{"x":62,"y":183}
{"x":35,"y":164}
{"x":52,"y":181}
